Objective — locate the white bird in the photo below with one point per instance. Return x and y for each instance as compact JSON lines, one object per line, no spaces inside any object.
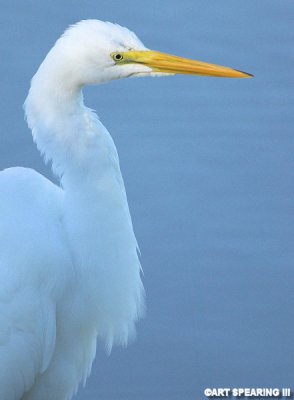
{"x":69,"y":267}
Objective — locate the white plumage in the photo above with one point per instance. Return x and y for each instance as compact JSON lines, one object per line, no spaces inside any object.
{"x":69,"y":268}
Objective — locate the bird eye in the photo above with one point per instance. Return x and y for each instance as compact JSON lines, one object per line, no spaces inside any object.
{"x":117,"y":56}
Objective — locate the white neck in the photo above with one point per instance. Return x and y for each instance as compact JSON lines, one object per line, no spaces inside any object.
{"x":68,"y":134}
{"x":96,"y":214}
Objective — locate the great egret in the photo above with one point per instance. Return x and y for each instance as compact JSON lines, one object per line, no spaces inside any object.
{"x":69,"y":268}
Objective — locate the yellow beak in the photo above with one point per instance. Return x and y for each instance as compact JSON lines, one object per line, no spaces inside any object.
{"x":166,"y":63}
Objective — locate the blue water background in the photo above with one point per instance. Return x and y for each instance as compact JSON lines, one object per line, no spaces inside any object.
{"x":208,"y":165}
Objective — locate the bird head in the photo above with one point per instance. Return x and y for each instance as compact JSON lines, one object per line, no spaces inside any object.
{"x":93,"y":52}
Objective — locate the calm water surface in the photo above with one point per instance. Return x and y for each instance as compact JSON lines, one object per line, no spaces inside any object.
{"x":208,"y":166}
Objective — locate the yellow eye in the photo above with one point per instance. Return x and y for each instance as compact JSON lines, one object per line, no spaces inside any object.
{"x":117,"y":56}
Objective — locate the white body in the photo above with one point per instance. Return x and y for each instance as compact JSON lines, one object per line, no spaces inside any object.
{"x":69,"y":269}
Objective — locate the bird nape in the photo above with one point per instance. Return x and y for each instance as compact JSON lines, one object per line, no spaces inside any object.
{"x":69,"y":266}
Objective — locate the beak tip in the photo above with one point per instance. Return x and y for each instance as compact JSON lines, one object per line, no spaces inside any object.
{"x":245,"y":74}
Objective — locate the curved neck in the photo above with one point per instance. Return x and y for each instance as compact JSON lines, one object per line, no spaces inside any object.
{"x":66,"y":132}
{"x":95,"y":213}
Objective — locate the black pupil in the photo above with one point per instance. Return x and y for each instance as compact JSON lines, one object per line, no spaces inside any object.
{"x":118,"y":57}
